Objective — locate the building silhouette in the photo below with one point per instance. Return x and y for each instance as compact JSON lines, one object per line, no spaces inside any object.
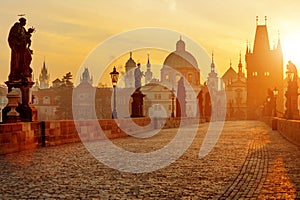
{"x":44,"y":77}
{"x":264,"y":72}
{"x":235,"y":87}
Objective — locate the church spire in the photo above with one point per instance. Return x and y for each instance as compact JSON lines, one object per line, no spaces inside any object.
{"x":212,"y":66}
{"x":44,"y":76}
{"x":266,"y":20}
{"x":278,"y":42}
{"x":148,"y":73}
{"x":148,"y":62}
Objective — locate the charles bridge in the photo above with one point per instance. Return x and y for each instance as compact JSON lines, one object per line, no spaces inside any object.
{"x":249,"y":161}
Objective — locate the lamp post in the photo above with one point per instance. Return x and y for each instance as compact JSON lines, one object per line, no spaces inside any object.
{"x":114,"y":79}
{"x":275,"y":93}
{"x":172,"y":106}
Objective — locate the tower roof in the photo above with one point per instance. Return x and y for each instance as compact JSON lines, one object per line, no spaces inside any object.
{"x":230,"y":73}
{"x":180,"y":45}
{"x":261,"y":40}
{"x":130,"y":63}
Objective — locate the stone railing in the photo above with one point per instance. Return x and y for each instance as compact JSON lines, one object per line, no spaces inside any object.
{"x":16,"y":137}
{"x":20,"y":136}
{"x":290,"y":129}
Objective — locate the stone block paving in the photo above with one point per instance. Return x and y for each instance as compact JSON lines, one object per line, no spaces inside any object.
{"x":250,"y":161}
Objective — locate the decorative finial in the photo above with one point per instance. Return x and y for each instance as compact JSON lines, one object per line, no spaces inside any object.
{"x":130,"y":54}
{"x":265,"y":20}
{"x":230,"y":63}
{"x":148,"y":59}
{"x":256,"y":20}
{"x":240,"y":56}
{"x":212,"y":56}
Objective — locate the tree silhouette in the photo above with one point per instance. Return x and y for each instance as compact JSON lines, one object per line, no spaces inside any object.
{"x":64,"y":99}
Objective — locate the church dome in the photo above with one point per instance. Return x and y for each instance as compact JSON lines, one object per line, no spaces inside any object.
{"x":130,"y":63}
{"x":180,"y":58}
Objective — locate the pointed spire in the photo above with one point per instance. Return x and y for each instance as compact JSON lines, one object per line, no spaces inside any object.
{"x":278,"y":42}
{"x":130,"y":54}
{"x":212,"y":66}
{"x":240,"y":64}
{"x":230,"y":63}
{"x":148,"y":62}
{"x":265,"y":20}
{"x":148,"y":73}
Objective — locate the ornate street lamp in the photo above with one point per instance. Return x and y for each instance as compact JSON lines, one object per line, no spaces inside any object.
{"x":172,"y":106}
{"x":275,"y":93}
{"x":114,"y":79}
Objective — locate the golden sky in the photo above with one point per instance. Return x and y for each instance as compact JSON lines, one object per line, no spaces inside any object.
{"x":68,"y":31}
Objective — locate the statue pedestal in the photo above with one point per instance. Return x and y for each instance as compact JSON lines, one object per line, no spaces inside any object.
{"x":27,"y":112}
{"x":137,"y":104}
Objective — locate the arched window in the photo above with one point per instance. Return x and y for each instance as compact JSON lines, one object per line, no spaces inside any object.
{"x":167,"y":77}
{"x":190,"y":78}
{"x":46,"y":100}
{"x":36,"y":100}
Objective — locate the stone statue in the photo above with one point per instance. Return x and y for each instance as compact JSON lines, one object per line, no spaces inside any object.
{"x":138,"y":74}
{"x":291,"y":68}
{"x":19,"y":42}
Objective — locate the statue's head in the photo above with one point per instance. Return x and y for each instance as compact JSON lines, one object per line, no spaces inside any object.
{"x":22,"y":21}
{"x":139,"y":64}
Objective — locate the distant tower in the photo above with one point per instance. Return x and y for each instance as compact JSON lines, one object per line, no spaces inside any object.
{"x":212,"y":80}
{"x":241,"y":74}
{"x":148,"y":73}
{"x":264,"y":71}
{"x":86,"y":78}
{"x":129,"y":72}
{"x":44,"y":77}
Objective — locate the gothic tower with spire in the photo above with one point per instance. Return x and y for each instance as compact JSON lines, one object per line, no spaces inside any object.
{"x":44,"y":77}
{"x":212,"y":80}
{"x":148,"y":73}
{"x":264,"y":72}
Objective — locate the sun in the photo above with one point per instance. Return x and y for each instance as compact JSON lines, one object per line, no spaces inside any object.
{"x":291,"y":48}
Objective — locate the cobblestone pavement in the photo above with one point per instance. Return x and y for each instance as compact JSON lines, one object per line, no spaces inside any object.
{"x":250,"y":161}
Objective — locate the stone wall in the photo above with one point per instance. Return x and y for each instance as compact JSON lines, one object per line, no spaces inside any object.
{"x":16,"y":137}
{"x":290,"y":129}
{"x":21,"y":136}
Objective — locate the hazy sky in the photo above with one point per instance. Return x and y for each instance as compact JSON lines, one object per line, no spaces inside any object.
{"x":68,"y":31}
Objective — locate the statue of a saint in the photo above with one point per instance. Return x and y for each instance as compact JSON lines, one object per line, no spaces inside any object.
{"x":19,"y":42}
{"x":138,"y":74}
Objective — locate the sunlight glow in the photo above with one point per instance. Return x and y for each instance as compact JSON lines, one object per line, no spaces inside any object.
{"x":291,"y":49}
